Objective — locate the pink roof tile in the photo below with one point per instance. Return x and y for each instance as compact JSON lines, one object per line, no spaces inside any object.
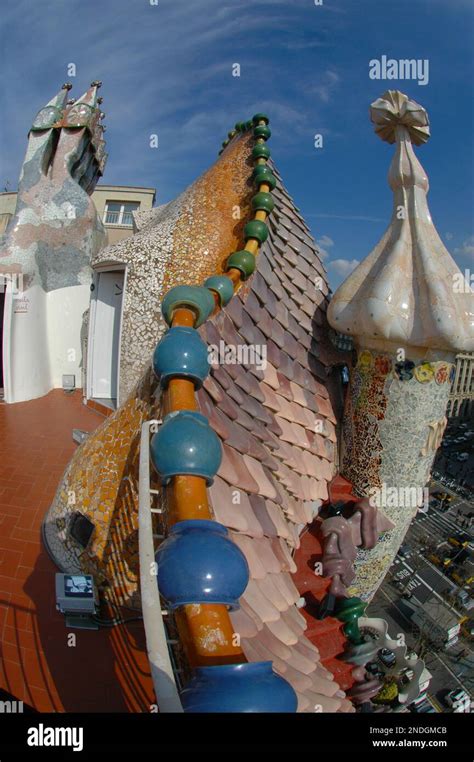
{"x":243,"y":623}
{"x":283,"y":632}
{"x":320,"y":703}
{"x":282,"y":551}
{"x":265,"y":487}
{"x":257,"y":600}
{"x":220,"y":497}
{"x":272,"y":591}
{"x":275,"y":459}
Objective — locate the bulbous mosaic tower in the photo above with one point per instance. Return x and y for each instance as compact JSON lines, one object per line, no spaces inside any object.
{"x":408,"y":321}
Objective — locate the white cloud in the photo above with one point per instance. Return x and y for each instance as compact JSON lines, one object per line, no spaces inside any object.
{"x":467,"y":248}
{"x":449,"y":236}
{"x":326,"y":84}
{"x":324,"y":243}
{"x":355,"y":217}
{"x":343,"y":267}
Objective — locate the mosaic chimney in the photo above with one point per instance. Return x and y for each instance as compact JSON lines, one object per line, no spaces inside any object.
{"x":47,"y":247}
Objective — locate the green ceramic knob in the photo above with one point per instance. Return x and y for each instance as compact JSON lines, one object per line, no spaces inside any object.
{"x":348,"y":611}
{"x":263,"y":202}
{"x":249,"y":125}
{"x":262,"y":174}
{"x":231,"y":134}
{"x":240,"y":126}
{"x":260,"y":118}
{"x":256,"y":229}
{"x":261,"y":151}
{"x":195,"y":298}
{"x":262,"y":131}
{"x":223,"y":287}
{"x":225,"y":142}
{"x":261,"y":169}
{"x":244,"y":261}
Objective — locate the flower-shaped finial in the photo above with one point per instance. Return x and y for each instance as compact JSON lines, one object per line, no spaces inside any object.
{"x":404,"y":293}
{"x":395,"y":108}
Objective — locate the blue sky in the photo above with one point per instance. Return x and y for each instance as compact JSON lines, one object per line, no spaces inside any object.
{"x":167,"y":69}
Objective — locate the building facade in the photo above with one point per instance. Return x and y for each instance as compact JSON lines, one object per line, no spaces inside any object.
{"x":460,"y":404}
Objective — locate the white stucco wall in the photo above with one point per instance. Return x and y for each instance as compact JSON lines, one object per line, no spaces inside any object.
{"x":25,"y":352}
{"x":44,"y":340}
{"x":65,"y":310}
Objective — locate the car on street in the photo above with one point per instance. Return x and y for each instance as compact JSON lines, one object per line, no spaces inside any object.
{"x":374,"y":669}
{"x":403,"y":551}
{"x":387,"y":657}
{"x":458,"y":701}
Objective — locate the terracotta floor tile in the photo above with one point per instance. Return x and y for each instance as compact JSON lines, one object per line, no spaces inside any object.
{"x":30,"y":535}
{"x":19,"y":617}
{"x":23,"y":572}
{"x":12,"y":678}
{"x":42,"y":700}
{"x":36,"y":445}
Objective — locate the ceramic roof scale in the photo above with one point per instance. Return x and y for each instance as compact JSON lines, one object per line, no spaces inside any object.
{"x":408,"y":318}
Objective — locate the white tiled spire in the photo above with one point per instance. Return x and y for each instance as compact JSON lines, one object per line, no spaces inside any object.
{"x":408,"y":291}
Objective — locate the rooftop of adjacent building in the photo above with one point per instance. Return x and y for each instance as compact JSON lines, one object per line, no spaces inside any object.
{"x":115,"y":205}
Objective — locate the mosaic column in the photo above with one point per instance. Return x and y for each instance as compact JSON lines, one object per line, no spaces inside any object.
{"x":408,"y":318}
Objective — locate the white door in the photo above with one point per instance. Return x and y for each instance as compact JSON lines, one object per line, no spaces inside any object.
{"x":106,"y":335}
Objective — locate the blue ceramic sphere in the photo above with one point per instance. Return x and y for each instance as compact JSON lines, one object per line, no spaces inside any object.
{"x":199,"y":563}
{"x":222,"y":286}
{"x":252,"y":687}
{"x":195,"y":298}
{"x":186,"y":444}
{"x":181,"y":353}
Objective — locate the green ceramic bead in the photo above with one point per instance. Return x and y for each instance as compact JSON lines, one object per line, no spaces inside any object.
{"x":261,"y":169}
{"x":349,"y":610}
{"x":240,"y":126}
{"x":261,"y":151}
{"x":256,"y":229}
{"x":263,"y":202}
{"x":262,"y":131}
{"x":244,"y":261}
{"x":260,"y":118}
{"x":225,"y":143}
{"x":249,"y":125}
{"x":223,"y":287}
{"x":196,"y":298}
{"x":262,"y":174}
{"x":232,"y":134}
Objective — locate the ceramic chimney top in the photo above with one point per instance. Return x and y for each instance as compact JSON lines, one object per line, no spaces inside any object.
{"x":408,"y":291}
